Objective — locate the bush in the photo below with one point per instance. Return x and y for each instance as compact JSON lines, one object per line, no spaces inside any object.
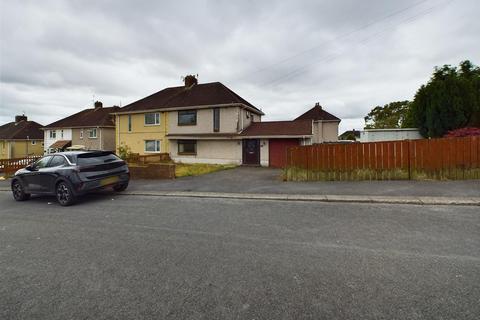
{"x":463,"y":132}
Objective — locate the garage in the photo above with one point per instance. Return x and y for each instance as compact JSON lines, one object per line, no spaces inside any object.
{"x":278,"y":151}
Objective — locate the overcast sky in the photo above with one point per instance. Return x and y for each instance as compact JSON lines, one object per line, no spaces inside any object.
{"x":281,"y":56}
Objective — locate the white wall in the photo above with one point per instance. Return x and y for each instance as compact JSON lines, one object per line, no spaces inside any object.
{"x":264,"y":153}
{"x":372,"y":135}
{"x":211,"y":151}
{"x":67,"y":135}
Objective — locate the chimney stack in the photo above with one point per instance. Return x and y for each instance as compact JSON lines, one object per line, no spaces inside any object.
{"x":98,"y":104}
{"x":318,"y":105}
{"x":20,"y":118}
{"x":190,"y":80}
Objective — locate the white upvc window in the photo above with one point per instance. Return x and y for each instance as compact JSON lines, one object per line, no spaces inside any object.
{"x":152,"y":119}
{"x":53,"y":134}
{"x":93,"y":133}
{"x":152,"y":145}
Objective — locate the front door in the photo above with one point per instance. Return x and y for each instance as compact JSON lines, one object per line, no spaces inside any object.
{"x":251,"y":151}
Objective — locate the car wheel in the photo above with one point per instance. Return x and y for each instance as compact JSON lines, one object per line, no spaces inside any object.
{"x":19,"y":192}
{"x":64,"y":194}
{"x":120,"y":187}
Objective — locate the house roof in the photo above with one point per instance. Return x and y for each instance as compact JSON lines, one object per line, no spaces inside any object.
{"x":21,"y":130}
{"x":355,"y":133}
{"x":205,"y":94}
{"x":93,"y":117}
{"x":279,"y":128}
{"x":317,"y":113}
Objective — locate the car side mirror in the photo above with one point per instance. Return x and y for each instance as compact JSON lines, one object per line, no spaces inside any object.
{"x":30,"y":167}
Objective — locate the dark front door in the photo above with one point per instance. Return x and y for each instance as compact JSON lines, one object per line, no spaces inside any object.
{"x":251,"y":151}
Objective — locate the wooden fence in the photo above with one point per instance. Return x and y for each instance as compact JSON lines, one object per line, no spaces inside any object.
{"x":445,"y":158}
{"x":9,"y":166}
{"x":150,"y":158}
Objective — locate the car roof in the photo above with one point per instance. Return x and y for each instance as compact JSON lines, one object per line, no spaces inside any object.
{"x":75,"y":153}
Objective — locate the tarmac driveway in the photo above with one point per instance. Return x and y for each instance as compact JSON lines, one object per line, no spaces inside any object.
{"x":267,"y":180}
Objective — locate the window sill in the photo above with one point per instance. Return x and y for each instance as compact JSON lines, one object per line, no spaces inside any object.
{"x":151,"y":125}
{"x":153,"y":151}
{"x":186,"y":125}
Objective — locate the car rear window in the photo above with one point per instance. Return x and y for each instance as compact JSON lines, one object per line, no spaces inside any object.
{"x":96,"y":158}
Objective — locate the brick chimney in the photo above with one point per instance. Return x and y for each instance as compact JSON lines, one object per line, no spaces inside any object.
{"x":20,"y":118}
{"x":190,"y":80}
{"x":98,"y":105}
{"x":318,"y":105}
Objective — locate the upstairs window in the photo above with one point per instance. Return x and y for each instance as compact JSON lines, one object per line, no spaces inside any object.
{"x":130,"y":123}
{"x":93,"y":133}
{"x":216,"y":119}
{"x":187,"y":118}
{"x":53,"y":134}
{"x":151,"y":119}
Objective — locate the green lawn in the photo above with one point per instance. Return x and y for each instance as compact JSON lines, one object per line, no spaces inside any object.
{"x":196,"y":169}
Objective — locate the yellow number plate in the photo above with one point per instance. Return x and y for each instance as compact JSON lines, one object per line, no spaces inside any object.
{"x":107,"y":181}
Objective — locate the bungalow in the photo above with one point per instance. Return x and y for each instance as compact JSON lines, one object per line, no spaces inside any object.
{"x":20,"y":138}
{"x":209,"y":123}
{"x":90,"y":129}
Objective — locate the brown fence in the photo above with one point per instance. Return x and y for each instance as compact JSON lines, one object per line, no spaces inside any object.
{"x":446,"y":158}
{"x":150,"y":158}
{"x":9,"y":166}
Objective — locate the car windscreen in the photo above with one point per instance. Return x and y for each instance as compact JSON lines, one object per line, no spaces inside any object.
{"x":95,"y":158}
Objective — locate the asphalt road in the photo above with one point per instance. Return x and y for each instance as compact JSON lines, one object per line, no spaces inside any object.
{"x":132,"y":257}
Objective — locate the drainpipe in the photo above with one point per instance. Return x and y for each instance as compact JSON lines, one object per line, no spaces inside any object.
{"x":100,"y":137}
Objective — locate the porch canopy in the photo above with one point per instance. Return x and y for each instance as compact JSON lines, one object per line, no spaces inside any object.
{"x":61,"y":144}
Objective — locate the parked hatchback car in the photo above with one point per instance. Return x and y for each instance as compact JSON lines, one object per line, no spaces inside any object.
{"x":68,"y":175}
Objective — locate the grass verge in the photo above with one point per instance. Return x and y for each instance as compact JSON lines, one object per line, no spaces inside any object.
{"x":197,"y":169}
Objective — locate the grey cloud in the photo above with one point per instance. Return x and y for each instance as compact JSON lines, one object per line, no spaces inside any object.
{"x":282,"y":56}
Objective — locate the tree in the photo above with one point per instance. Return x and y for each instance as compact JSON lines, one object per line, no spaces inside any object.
{"x":392,"y":115}
{"x":450,"y":100}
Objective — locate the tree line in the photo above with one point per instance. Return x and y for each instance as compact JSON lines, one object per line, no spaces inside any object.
{"x":449,"y":100}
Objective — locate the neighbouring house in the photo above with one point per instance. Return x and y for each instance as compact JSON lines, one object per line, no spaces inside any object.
{"x":392,"y":134}
{"x":209,"y":123}
{"x":89,"y":129}
{"x":350,"y":135}
{"x":20,"y":138}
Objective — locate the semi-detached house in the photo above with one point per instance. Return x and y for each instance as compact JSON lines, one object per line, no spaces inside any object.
{"x":209,"y":123}
{"x":90,"y":129}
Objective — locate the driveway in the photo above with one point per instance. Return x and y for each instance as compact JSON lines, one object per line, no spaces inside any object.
{"x":126,"y":257}
{"x":267,"y":180}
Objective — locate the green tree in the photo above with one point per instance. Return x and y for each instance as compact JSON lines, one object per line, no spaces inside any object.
{"x":450,"y":100}
{"x":391,"y":115}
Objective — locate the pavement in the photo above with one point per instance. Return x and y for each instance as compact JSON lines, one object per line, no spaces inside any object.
{"x":266,"y":183}
{"x":143,"y":257}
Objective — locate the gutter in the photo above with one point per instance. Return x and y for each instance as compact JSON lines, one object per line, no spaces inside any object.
{"x":192,"y":107}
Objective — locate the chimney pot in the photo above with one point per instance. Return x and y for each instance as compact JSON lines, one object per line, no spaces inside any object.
{"x":98,"y":104}
{"x":190,"y":80}
{"x":20,"y":118}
